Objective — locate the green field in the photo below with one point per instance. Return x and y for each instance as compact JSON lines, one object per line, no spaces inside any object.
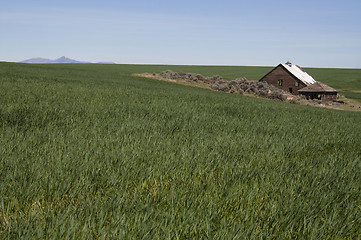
{"x":347,"y":81}
{"x":89,"y":151}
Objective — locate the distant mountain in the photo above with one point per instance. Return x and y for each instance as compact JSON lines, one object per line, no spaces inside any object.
{"x":106,"y":63}
{"x":67,"y":60}
{"x":59,"y":60}
{"x":38,"y":60}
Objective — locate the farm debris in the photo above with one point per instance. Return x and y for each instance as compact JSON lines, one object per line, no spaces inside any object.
{"x":237,"y":86}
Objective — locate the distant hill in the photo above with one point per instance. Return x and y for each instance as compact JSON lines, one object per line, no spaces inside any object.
{"x":67,"y":60}
{"x":106,"y":63}
{"x":38,"y":60}
{"x":59,"y":60}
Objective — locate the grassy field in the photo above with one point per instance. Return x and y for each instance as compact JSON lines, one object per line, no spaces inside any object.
{"x":89,"y":151}
{"x":347,"y":81}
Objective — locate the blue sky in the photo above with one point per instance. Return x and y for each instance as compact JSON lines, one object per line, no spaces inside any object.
{"x":225,"y":32}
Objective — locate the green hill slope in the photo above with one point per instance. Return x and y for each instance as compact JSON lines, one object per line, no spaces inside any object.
{"x":89,"y":151}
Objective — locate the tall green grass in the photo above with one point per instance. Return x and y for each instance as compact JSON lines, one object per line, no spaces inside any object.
{"x":89,"y":151}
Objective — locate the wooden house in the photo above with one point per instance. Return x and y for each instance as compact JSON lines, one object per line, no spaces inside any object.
{"x":293,"y":79}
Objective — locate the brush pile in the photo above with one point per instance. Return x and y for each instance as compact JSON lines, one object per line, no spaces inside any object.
{"x":237,"y":86}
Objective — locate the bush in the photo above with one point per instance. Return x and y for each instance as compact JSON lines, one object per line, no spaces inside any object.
{"x":214,"y":86}
{"x":236,"y":86}
{"x":200,"y":77}
{"x":216,"y":78}
{"x":293,"y":101}
{"x":223,"y":87}
{"x":317,"y":101}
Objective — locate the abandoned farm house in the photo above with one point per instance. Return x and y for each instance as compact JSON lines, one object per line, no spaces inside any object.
{"x":293,"y":79}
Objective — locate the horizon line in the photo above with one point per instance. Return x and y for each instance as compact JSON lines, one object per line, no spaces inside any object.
{"x":173,"y":64}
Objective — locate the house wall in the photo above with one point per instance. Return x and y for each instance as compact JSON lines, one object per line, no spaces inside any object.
{"x":323,"y":96}
{"x":329,"y":96}
{"x":288,"y":80}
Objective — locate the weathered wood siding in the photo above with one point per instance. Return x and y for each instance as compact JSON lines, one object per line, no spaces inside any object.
{"x":329,"y":96}
{"x":288,"y":80}
{"x":323,"y":96}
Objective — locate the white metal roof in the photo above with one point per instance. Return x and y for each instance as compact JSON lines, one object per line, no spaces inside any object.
{"x":300,"y":74}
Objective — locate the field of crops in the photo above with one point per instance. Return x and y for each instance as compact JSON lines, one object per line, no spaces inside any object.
{"x":89,"y":151}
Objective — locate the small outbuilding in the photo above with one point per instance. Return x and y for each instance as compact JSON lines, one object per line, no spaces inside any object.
{"x":319,"y":91}
{"x":293,"y":79}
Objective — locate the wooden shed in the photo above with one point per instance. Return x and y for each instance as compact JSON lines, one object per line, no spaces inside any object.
{"x":293,"y":79}
{"x":319,"y":91}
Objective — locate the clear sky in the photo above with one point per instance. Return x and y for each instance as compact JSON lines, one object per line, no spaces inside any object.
{"x":311,"y":33}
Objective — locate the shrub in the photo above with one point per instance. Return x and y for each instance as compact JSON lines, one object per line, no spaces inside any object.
{"x":293,"y":101}
{"x":262,"y":93}
{"x":223,"y":87}
{"x":317,"y":101}
{"x":200,"y":77}
{"x":216,"y":78}
{"x":236,"y":86}
{"x":214,"y":86}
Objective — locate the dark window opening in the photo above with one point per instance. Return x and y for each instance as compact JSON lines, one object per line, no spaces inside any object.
{"x":280,"y":82}
{"x":291,"y":91}
{"x":314,"y":96}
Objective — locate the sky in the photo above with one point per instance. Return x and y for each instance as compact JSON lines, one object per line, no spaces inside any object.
{"x":310,"y":33}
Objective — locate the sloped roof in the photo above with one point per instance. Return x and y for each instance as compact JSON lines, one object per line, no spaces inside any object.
{"x":317,"y":87}
{"x":300,"y":74}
